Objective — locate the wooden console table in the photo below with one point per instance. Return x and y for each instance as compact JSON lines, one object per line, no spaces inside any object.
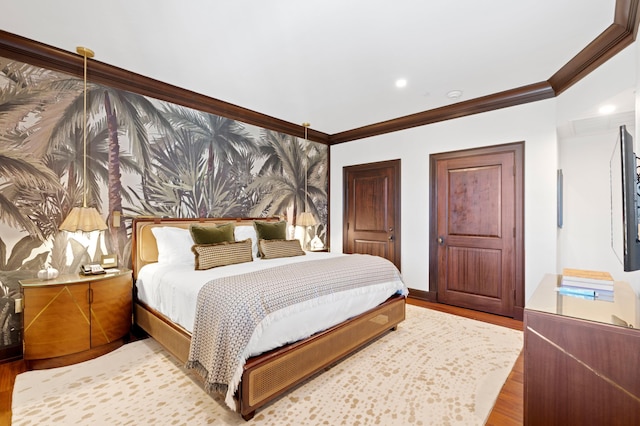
{"x":581,"y":358}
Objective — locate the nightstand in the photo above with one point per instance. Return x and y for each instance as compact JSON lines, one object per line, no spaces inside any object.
{"x":76,"y":317}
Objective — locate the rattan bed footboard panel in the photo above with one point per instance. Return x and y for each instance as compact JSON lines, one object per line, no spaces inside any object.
{"x":268,"y":376}
{"x":174,"y":340}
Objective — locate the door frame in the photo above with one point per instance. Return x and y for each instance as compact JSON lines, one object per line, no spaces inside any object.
{"x":518,"y":150}
{"x":396,"y":166}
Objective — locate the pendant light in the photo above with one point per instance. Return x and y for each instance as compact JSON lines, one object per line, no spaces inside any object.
{"x":84,"y":218}
{"x":305,"y":219}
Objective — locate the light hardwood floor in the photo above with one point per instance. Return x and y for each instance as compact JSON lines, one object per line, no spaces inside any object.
{"x":507,"y":411}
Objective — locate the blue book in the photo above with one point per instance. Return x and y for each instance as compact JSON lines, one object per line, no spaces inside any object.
{"x":586,"y":293}
{"x":575,"y":291}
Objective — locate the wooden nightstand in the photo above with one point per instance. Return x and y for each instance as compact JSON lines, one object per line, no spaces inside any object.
{"x":76,"y":317}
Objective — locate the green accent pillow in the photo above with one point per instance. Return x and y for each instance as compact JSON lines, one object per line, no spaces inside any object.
{"x":212,"y":234}
{"x":271,"y":230}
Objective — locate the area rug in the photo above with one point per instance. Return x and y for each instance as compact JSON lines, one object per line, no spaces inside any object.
{"x":435,"y":369}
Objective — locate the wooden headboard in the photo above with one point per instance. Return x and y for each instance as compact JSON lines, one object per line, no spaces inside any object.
{"x":144,"y":249}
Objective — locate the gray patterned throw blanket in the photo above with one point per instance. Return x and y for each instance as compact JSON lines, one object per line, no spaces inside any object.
{"x":229,"y":309}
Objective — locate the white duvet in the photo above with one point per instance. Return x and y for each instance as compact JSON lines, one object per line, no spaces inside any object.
{"x":172,"y":289}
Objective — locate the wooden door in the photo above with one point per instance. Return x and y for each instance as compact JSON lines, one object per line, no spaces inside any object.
{"x":372,"y":210}
{"x":110,"y":309}
{"x":477,"y":229}
{"x":56,"y":320}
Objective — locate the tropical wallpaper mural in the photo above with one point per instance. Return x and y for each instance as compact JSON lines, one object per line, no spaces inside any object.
{"x":143,"y":157}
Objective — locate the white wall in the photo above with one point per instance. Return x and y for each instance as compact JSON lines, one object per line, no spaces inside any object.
{"x":564,"y":133}
{"x":585,"y":239}
{"x":584,"y":155}
{"x":534,"y":123}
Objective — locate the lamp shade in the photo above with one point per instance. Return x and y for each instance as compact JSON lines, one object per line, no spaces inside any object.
{"x":305,"y":219}
{"x":85,"y":219}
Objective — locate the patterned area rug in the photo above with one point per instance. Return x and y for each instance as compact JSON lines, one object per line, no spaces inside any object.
{"x":436,"y":369}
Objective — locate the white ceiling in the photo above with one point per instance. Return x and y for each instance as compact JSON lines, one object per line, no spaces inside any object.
{"x":329,"y":62}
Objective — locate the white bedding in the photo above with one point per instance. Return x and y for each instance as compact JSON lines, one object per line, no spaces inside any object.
{"x":172,"y":289}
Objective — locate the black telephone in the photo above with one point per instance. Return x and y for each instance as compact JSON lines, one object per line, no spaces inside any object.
{"x":92,"y":269}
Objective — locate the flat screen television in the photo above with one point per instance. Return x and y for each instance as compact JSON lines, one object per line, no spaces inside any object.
{"x":625,"y":201}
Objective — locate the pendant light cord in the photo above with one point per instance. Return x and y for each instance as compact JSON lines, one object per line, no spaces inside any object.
{"x":84,"y":137}
{"x":305,"y":172}
{"x":306,"y":164}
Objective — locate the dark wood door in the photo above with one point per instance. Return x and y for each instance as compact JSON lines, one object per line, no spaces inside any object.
{"x":371,"y":210}
{"x":477,"y":230}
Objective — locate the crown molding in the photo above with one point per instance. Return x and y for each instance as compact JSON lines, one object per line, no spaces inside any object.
{"x":611,"y":41}
{"x":25,"y":50}
{"x":620,"y":34}
{"x":508,"y":98}
{"x":616,"y":37}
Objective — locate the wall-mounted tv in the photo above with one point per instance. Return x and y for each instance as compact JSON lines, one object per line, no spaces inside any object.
{"x":625,"y":184}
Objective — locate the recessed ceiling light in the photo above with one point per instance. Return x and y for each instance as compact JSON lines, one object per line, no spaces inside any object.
{"x":401,"y":82}
{"x":454,"y":94}
{"x":607,"y":109}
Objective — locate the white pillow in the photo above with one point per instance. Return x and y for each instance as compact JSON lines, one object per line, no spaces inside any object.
{"x":241,"y":233}
{"x":174,"y":245}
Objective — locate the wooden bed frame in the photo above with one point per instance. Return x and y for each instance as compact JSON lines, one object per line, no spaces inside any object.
{"x":271,"y":374}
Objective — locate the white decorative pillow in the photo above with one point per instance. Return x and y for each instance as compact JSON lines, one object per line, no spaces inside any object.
{"x":241,"y":233}
{"x":174,"y":245}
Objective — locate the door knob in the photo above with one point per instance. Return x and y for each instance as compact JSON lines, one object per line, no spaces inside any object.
{"x":441,"y":240}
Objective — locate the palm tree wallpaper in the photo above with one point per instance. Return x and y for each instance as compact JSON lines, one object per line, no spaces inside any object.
{"x":144,"y":157}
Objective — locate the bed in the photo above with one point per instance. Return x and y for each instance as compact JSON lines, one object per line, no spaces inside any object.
{"x":270,"y":367}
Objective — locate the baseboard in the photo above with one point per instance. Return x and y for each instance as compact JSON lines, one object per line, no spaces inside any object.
{"x":518,"y":313}
{"x":427,"y":296}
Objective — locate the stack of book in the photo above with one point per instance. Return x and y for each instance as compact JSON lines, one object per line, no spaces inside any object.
{"x":593,"y":285}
